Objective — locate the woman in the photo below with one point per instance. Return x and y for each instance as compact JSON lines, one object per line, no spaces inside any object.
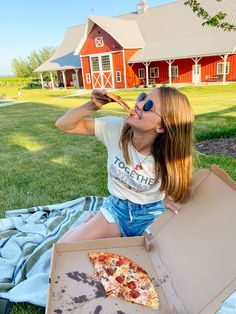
{"x":149,"y":156}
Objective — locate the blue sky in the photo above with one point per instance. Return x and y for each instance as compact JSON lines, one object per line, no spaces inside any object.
{"x":26,"y":25}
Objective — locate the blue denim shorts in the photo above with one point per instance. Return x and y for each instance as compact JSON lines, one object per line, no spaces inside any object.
{"x":132,"y":219}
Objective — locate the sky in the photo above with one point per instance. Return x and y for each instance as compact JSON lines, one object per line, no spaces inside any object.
{"x":27,"y":26}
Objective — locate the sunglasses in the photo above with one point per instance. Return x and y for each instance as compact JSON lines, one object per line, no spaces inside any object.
{"x":148,"y":106}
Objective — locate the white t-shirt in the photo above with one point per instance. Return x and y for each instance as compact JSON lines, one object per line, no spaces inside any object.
{"x":124,"y":182}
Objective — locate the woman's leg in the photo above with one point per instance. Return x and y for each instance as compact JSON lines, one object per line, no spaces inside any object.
{"x":97,"y":227}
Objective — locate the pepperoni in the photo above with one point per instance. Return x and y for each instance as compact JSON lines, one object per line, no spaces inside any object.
{"x":139,"y":269}
{"x":134,"y":294}
{"x":120,"y":262}
{"x":101,"y":258}
{"x":120,"y":279}
{"x":131,"y":285}
{"x":110,"y":271}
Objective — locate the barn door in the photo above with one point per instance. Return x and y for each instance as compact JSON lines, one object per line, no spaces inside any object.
{"x":96,"y":74}
{"x":101,"y":71}
{"x":106,"y":72}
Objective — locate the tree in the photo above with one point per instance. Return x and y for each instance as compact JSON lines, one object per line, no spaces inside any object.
{"x":24,"y":67}
{"x":218,"y":20}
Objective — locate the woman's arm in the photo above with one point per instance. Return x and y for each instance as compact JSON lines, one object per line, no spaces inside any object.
{"x":74,"y":121}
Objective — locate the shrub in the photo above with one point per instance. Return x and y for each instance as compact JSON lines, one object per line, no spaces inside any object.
{"x":14,"y":81}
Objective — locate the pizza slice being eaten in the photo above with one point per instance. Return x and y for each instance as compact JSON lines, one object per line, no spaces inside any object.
{"x":123,"y":278}
{"x":121,"y":102}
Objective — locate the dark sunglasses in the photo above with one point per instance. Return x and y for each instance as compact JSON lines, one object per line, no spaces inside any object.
{"x":148,"y":106}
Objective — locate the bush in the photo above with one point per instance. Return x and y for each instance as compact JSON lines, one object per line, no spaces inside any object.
{"x":137,"y":86}
{"x":145,"y":86}
{"x":14,"y":81}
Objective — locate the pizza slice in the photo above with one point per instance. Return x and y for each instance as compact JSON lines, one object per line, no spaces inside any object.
{"x":123,"y":278}
{"x":121,"y":102}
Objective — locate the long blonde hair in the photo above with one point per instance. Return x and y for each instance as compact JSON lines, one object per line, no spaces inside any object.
{"x":172,"y":150}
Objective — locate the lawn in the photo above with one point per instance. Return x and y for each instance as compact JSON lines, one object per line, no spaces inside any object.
{"x":39,"y":165}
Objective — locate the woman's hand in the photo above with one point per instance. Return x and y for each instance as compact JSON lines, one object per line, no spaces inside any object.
{"x":99,"y":98}
{"x":169,"y":204}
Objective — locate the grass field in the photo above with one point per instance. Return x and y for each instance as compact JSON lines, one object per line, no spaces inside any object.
{"x":39,"y":165}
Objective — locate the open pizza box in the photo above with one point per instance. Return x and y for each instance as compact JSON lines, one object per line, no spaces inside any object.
{"x":191,"y":257}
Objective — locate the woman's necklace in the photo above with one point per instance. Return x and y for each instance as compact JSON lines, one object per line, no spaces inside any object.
{"x":139,"y":165}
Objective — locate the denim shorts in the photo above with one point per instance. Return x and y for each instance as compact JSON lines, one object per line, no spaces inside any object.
{"x":132,"y":219}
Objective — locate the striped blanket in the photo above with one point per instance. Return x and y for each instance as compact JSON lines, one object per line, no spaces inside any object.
{"x":26,"y":238}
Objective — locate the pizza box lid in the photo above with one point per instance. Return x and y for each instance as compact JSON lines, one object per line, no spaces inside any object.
{"x":190,"y":256}
{"x":196,"y":248}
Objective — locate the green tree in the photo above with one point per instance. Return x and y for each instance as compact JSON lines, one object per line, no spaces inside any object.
{"x":24,"y":67}
{"x":217,"y":20}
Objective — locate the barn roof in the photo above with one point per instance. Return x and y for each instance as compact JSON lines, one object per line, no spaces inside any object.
{"x":170,"y":31}
{"x":125,"y":31}
{"x":64,"y":58}
{"x":173,"y":31}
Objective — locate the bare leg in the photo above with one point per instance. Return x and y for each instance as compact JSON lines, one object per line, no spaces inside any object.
{"x":97,"y":227}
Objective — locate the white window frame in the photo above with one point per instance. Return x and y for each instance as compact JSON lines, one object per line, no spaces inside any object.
{"x":98,"y":64}
{"x":222,"y":64}
{"x":174,"y":68}
{"x":139,"y":71}
{"x":105,"y":64}
{"x":88,"y":78}
{"x":99,"y":42}
{"x":118,"y":77}
{"x":154,"y":75}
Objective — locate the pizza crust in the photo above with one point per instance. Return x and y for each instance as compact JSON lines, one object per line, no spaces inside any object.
{"x":121,"y":102}
{"x":123,"y":278}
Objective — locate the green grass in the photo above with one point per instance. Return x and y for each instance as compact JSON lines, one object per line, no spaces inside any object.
{"x":39,"y":165}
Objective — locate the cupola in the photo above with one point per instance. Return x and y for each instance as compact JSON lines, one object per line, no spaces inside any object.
{"x":142,"y":6}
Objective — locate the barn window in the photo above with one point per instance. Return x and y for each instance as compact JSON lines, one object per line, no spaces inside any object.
{"x":118,"y":76}
{"x":95,"y":64}
{"x":154,"y":72}
{"x":88,"y":78}
{"x":106,"y":63}
{"x":99,"y":42}
{"x":174,"y":71}
{"x":141,"y":73}
{"x":220,"y":68}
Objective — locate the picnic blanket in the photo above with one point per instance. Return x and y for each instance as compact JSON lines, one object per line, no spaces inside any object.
{"x":26,"y":239}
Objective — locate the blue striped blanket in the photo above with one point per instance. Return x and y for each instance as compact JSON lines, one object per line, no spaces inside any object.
{"x":26,"y":239}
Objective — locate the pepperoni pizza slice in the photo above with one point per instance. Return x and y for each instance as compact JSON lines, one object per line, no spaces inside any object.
{"x":123,"y":278}
{"x":121,"y":102}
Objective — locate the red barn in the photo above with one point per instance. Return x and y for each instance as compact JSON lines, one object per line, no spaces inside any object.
{"x":160,"y":45}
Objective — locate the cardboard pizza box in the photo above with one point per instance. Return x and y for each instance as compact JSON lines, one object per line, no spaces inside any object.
{"x":191,"y":258}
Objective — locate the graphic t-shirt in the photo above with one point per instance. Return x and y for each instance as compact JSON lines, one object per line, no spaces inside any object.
{"x":124,"y":181}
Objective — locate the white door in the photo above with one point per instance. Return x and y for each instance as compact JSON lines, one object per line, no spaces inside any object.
{"x":102,"y":75}
{"x":196,"y":77}
{"x":75,"y":80}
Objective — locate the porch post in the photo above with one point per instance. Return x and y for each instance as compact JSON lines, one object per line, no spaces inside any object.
{"x":64,"y":78}
{"x":224,"y":68}
{"x":52,"y":82}
{"x":195,"y":74}
{"x":41,"y":77}
{"x":147,"y":76}
{"x":169,"y":70}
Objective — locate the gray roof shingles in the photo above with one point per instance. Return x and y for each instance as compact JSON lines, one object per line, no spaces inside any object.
{"x":170,"y":31}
